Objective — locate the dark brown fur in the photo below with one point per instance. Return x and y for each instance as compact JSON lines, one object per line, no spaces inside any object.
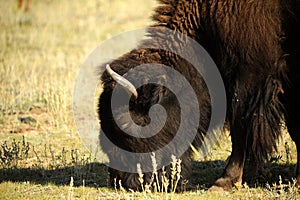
{"x":245,"y":38}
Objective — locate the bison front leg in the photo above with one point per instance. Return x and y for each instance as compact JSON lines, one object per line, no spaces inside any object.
{"x":233,"y":172}
{"x":292,"y":121}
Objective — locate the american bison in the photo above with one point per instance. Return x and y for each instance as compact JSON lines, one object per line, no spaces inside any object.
{"x":255,"y":45}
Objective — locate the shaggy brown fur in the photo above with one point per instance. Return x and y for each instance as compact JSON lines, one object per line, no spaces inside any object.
{"x":245,"y":39}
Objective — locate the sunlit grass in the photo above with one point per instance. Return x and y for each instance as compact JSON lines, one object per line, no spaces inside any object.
{"x":42,"y":50}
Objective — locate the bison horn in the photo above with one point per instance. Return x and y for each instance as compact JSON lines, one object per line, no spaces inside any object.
{"x":122,"y":81}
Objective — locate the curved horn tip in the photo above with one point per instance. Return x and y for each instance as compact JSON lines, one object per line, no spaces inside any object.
{"x":109,"y":70}
{"x":123,"y":82}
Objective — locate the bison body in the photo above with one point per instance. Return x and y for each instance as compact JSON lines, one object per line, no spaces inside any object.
{"x":256,"y":48}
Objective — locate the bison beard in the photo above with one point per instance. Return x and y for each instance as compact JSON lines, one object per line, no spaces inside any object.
{"x":247,"y":41}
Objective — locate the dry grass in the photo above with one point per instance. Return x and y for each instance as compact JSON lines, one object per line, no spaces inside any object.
{"x":41,"y":52}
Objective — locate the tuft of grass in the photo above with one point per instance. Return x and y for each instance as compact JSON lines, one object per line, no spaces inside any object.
{"x":10,"y":155}
{"x":161,"y":183}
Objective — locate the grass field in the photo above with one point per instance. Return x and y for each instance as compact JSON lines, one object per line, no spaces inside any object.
{"x":41,"y":154}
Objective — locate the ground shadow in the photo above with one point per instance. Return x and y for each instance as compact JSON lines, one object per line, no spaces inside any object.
{"x":204,"y":174}
{"x":91,"y":175}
